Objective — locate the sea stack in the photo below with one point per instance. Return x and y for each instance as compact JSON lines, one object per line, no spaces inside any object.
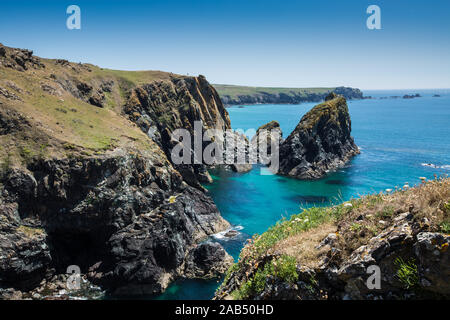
{"x":320,"y":143}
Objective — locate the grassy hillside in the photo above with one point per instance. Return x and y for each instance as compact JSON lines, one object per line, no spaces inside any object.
{"x":51,"y":115}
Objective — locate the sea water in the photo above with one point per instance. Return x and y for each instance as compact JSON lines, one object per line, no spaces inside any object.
{"x":400,"y":141}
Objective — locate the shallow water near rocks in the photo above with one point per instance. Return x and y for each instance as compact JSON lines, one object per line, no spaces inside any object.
{"x":400,"y":140}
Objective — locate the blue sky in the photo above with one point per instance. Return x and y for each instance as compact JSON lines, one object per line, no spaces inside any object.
{"x":246,"y":42}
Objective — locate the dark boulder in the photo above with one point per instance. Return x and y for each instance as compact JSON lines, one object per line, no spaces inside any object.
{"x":207,"y":260}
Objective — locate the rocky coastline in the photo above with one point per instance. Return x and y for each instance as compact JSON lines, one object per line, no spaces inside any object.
{"x":86,"y":179}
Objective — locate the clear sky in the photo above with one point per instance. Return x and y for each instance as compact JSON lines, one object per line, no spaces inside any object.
{"x":247,"y":42}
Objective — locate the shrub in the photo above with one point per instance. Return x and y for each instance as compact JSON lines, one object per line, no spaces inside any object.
{"x":407,"y":272}
{"x":286,"y":269}
{"x":445,"y":226}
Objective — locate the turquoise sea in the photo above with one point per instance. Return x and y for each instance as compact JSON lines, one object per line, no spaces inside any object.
{"x":400,"y":140}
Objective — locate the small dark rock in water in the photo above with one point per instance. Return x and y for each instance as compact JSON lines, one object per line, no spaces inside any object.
{"x":338,"y":182}
{"x":412,"y":96}
{"x":310,"y":199}
{"x":231,"y":234}
{"x":241,"y":107}
{"x":281,"y":180}
{"x":436,"y":95}
{"x":241,"y":168}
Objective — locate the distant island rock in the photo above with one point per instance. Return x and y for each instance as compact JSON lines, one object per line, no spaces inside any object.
{"x":436,"y":95}
{"x":321,"y":142}
{"x":239,"y":95}
{"x":411,"y":96}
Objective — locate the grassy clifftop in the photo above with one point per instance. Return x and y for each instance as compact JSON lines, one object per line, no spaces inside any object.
{"x":56,"y":107}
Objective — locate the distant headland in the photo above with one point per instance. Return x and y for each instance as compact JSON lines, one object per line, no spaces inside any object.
{"x":235,"y":95}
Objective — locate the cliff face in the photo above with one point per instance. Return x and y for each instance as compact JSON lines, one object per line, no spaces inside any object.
{"x":321,"y":142}
{"x":81,"y":184}
{"x":234,"y":95}
{"x":173,"y":104}
{"x":382,"y":246}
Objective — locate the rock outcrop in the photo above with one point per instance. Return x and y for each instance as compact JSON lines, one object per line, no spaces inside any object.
{"x":83,"y":185}
{"x":320,"y":143}
{"x":206,"y":261}
{"x":271,"y":129}
{"x":161,"y":107}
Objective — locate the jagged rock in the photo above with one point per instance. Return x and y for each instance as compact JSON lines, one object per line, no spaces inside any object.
{"x":431,"y":250}
{"x":123,"y":218}
{"x":19,"y":59}
{"x":231,"y":234}
{"x":10,"y":294}
{"x":241,"y":168}
{"x":51,"y":89}
{"x":97,"y":99}
{"x":238,"y":153}
{"x":321,"y":142}
{"x":272,"y":129}
{"x":62,"y":62}
{"x":24,"y":251}
{"x":84,"y":88}
{"x":9,"y":95}
{"x":207,"y":260}
{"x":175,"y":104}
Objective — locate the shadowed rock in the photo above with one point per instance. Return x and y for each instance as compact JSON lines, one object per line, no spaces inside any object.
{"x":320,"y":143}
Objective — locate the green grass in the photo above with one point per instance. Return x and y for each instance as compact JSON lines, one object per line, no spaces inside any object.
{"x":73,"y":122}
{"x":445,"y":226}
{"x":284,"y":268}
{"x":407,"y":272}
{"x":308,"y":219}
{"x":387,"y":212}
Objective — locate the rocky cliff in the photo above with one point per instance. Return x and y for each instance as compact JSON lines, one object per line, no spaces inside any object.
{"x":320,"y":143}
{"x":161,"y":107}
{"x":85,"y":182}
{"x":382,"y":246}
{"x":235,"y":95}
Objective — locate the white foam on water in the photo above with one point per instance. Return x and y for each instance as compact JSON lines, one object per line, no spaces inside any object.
{"x":431,"y":165}
{"x":221,"y":235}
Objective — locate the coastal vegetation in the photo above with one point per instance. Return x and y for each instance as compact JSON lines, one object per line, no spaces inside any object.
{"x":335,"y":239}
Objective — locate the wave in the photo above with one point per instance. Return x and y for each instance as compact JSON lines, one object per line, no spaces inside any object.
{"x":431,"y":165}
{"x":222,"y":235}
